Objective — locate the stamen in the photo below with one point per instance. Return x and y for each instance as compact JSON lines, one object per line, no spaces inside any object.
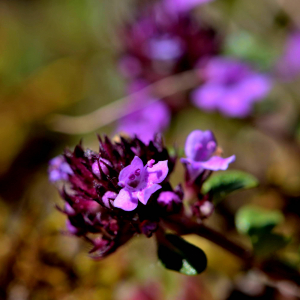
{"x":150,"y":163}
{"x":137,"y":172}
{"x":131,"y":177}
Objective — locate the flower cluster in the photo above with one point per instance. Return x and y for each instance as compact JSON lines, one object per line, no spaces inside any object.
{"x":124,"y":189}
{"x":163,"y":40}
{"x":102,"y":190}
{"x":166,"y":39}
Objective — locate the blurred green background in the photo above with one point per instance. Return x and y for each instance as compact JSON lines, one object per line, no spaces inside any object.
{"x":59,"y":56}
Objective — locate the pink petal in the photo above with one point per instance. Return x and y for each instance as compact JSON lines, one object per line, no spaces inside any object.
{"x":157,"y":173}
{"x":217,"y":163}
{"x":136,"y":163}
{"x":235,"y":104}
{"x":255,"y":86}
{"x":125,"y":201}
{"x":208,"y":96}
{"x":194,"y":168}
{"x":145,"y":194}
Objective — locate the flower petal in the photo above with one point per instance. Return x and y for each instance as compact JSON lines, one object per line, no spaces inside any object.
{"x":125,"y":201}
{"x":235,"y":104}
{"x":145,"y":194}
{"x":136,"y":163}
{"x":194,"y":169}
{"x":217,"y":163}
{"x":255,"y":87}
{"x":157,"y":173}
{"x":208,"y":96}
{"x":200,"y":145}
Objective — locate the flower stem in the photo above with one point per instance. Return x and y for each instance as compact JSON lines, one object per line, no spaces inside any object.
{"x":185,"y":226}
{"x":220,"y":240}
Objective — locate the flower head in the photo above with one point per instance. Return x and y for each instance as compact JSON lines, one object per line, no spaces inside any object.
{"x":200,"y":148}
{"x":139,"y":182}
{"x":164,"y":40}
{"x":117,"y":176}
{"x":231,"y":87}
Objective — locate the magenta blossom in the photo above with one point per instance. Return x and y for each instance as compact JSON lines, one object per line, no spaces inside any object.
{"x":164,"y":39}
{"x":200,"y":147}
{"x":139,"y":182}
{"x":231,"y":87}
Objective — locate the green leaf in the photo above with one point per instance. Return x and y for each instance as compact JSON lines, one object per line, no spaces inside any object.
{"x":224,"y":183}
{"x":255,"y":220}
{"x":258,"y":224}
{"x":266,"y":244}
{"x":178,"y":255}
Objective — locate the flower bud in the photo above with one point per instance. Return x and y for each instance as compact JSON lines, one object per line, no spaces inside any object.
{"x":169,"y":201}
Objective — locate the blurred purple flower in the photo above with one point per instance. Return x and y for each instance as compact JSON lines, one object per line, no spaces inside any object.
{"x":231,"y":87}
{"x":139,"y":182}
{"x":165,"y":48}
{"x":183,"y":5}
{"x":164,"y":40}
{"x":147,"y":121}
{"x":288,"y":65}
{"x":200,"y":147}
{"x":59,"y":169}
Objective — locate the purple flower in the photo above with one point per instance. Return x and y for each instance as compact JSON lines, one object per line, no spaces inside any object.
{"x":200,"y":147}
{"x":91,"y":187}
{"x":164,"y":40}
{"x":183,"y":5}
{"x":139,"y":182}
{"x":231,"y":87}
{"x":147,"y":121}
{"x":59,"y":169}
{"x":289,"y":64}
